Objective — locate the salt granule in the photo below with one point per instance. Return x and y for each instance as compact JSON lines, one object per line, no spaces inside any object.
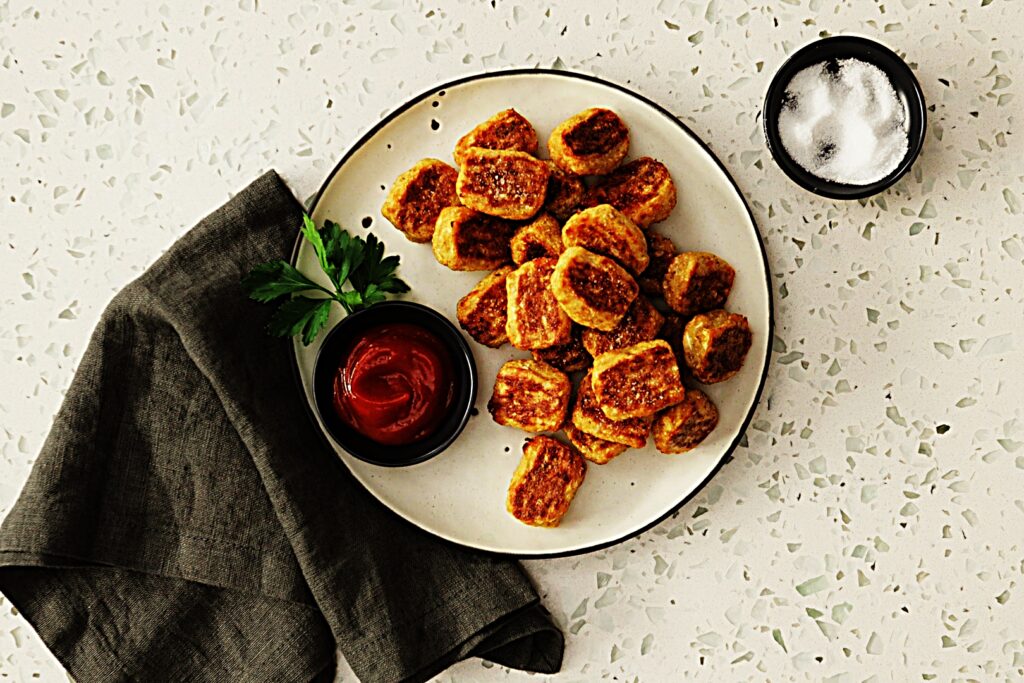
{"x":843,"y":121}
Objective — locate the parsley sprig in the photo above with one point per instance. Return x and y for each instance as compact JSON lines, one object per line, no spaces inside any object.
{"x":346,"y":260}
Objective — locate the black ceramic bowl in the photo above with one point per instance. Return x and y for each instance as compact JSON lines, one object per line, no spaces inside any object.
{"x":835,"y":48}
{"x":331,"y":355}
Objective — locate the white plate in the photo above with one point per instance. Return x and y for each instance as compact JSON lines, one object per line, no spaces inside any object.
{"x":460,"y":494}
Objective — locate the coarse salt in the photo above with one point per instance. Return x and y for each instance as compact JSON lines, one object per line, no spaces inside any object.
{"x":843,"y":121}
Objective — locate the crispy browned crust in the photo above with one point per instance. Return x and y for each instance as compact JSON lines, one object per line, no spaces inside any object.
{"x":417,"y":197}
{"x":540,"y":237}
{"x":594,"y":449}
{"x":502,"y":183}
{"x":588,"y":417}
{"x":641,"y":323}
{"x":641,"y":189}
{"x":530,"y":395}
{"x":605,"y":230}
{"x":483,"y":312}
{"x":680,"y":428}
{"x":592,"y":142}
{"x":465,"y":239}
{"x":505,"y":130}
{"x":535,"y":320}
{"x":715,"y":345}
{"x":637,"y":381}
{"x":545,"y":482}
{"x":566,"y":192}
{"x":660,"y":251}
{"x":593,"y":290}
{"x":570,"y":357}
{"x":697,"y":281}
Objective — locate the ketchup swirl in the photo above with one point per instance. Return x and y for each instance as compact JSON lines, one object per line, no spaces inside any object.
{"x":394,"y":385}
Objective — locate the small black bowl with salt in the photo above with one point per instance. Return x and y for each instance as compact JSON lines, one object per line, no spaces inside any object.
{"x":844,"y":117}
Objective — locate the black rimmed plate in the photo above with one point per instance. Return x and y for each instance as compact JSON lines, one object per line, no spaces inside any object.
{"x":460,"y":495}
{"x":832,"y":49}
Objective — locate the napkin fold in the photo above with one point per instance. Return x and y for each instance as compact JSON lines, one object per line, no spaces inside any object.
{"x":186,"y":520}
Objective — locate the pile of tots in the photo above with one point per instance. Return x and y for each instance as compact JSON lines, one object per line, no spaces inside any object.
{"x":573,"y":273}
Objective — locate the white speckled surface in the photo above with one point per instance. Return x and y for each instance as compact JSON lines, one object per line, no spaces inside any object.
{"x":869,"y":528}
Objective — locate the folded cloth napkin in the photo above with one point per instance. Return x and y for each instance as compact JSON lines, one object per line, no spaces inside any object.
{"x":185,"y":519}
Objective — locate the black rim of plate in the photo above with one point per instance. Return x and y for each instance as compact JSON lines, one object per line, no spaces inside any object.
{"x":433,"y":92}
{"x":836,"y":47}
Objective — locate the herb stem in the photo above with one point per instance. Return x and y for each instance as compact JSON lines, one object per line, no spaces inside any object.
{"x":348,"y":309}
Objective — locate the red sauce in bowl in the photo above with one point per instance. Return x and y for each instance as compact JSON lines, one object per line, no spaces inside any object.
{"x":394,"y":385}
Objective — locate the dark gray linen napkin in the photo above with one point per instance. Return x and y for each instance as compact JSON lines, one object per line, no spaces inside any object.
{"x":185,"y":520}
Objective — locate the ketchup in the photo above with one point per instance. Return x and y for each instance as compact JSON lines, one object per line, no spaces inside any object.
{"x":394,"y":385}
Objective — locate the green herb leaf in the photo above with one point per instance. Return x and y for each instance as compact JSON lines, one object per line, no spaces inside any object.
{"x":373,"y":295}
{"x":393,"y":285}
{"x":301,"y":315}
{"x":269,"y":281}
{"x":332,"y":235}
{"x":342,"y":252}
{"x":354,"y":251}
{"x":312,"y":236}
{"x":343,"y":258}
{"x":352,"y":300}
{"x":377,"y":270}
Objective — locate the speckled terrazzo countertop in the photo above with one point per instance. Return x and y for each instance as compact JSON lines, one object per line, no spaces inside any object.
{"x":869,"y":526}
